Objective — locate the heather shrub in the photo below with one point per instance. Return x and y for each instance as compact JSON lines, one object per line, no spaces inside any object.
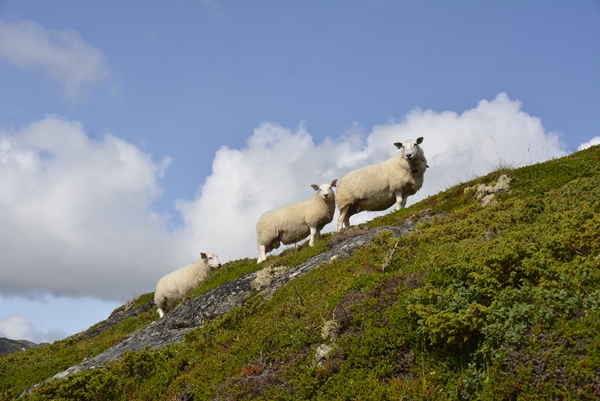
{"x":480,"y":303}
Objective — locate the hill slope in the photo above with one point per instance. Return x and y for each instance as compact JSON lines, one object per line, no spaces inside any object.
{"x":7,"y":346}
{"x":496,"y":302}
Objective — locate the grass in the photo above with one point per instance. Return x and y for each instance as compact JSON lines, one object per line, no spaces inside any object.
{"x":494,"y":303}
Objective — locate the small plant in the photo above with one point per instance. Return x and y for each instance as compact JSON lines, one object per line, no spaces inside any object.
{"x":481,"y":303}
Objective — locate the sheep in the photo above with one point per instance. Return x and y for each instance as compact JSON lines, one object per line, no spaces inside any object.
{"x":292,"y":223}
{"x":173,"y":287}
{"x":378,"y":186}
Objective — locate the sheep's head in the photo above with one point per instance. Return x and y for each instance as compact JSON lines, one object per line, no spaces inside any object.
{"x":411,"y":149}
{"x":211,"y":259}
{"x":325,"y":191}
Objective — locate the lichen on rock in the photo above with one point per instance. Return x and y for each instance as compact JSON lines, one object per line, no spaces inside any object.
{"x":265,"y":276}
{"x":486,"y":194}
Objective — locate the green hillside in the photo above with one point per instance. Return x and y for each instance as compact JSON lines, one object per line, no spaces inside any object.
{"x":500,"y":302}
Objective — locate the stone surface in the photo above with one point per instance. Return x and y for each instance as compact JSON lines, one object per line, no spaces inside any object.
{"x":486,"y":194}
{"x":174,"y":325}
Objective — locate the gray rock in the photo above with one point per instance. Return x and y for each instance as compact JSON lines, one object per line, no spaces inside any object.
{"x":174,"y":325}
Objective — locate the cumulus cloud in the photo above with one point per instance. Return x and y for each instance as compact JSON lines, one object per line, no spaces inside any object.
{"x":19,"y":327}
{"x":278,"y":165}
{"x":592,"y":142}
{"x":62,"y":55}
{"x":76,"y":214}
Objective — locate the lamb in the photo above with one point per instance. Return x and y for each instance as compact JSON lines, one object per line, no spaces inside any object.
{"x":292,"y":223}
{"x":378,"y":186}
{"x":173,"y":287}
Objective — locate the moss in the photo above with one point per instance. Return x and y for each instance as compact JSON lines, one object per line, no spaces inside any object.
{"x":24,"y":369}
{"x":490,"y":303}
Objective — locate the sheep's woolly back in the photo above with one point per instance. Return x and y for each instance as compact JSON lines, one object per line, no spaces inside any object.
{"x":292,"y":223}
{"x":373,"y":187}
{"x":173,"y":287}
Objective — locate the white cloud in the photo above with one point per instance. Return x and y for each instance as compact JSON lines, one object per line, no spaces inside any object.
{"x":19,"y":327}
{"x":63,"y":55}
{"x":278,"y":165}
{"x":76,"y":214}
{"x":592,"y":142}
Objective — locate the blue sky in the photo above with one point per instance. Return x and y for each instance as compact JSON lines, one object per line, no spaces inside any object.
{"x":135,"y":135}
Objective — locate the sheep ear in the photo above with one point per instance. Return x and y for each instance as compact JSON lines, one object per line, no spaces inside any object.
{"x":334,"y":183}
{"x":315,"y":187}
{"x":202,"y":255}
{"x":419,"y":140}
{"x":398,"y":145}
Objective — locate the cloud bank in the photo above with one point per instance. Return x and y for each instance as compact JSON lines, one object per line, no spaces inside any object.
{"x":594,"y":141}
{"x":278,"y":165}
{"x":19,"y":327}
{"x":76,"y":214}
{"x":62,"y":55}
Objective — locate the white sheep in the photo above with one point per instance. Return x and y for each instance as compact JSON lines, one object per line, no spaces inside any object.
{"x":292,"y":223}
{"x":173,"y":287}
{"x":378,"y":186}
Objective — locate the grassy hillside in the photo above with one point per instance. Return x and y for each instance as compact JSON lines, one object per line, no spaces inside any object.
{"x":494,"y":303}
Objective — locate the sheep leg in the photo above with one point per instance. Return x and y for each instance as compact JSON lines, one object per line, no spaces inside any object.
{"x":314,"y":234}
{"x":262,"y":253}
{"x":344,"y":218}
{"x":400,"y":200}
{"x":404,"y":201}
{"x":160,"y":313}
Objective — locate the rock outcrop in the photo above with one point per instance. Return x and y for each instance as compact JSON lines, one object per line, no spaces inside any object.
{"x":486,"y":194}
{"x":173,"y":326}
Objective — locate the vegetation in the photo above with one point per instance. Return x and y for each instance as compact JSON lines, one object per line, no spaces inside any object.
{"x":494,"y":303}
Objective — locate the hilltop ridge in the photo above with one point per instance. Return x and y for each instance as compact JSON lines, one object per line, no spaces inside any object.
{"x":7,"y":345}
{"x":447,"y":299}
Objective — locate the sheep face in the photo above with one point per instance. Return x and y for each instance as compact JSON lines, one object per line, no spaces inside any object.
{"x":410,"y":149}
{"x":325,"y":191}
{"x":211,"y":259}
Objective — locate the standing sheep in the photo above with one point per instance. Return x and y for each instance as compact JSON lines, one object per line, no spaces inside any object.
{"x":378,"y":186}
{"x":293,"y":223}
{"x":173,"y":287}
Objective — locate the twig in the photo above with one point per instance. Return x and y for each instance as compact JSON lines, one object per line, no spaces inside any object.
{"x":388,"y":259}
{"x":299,"y":297}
